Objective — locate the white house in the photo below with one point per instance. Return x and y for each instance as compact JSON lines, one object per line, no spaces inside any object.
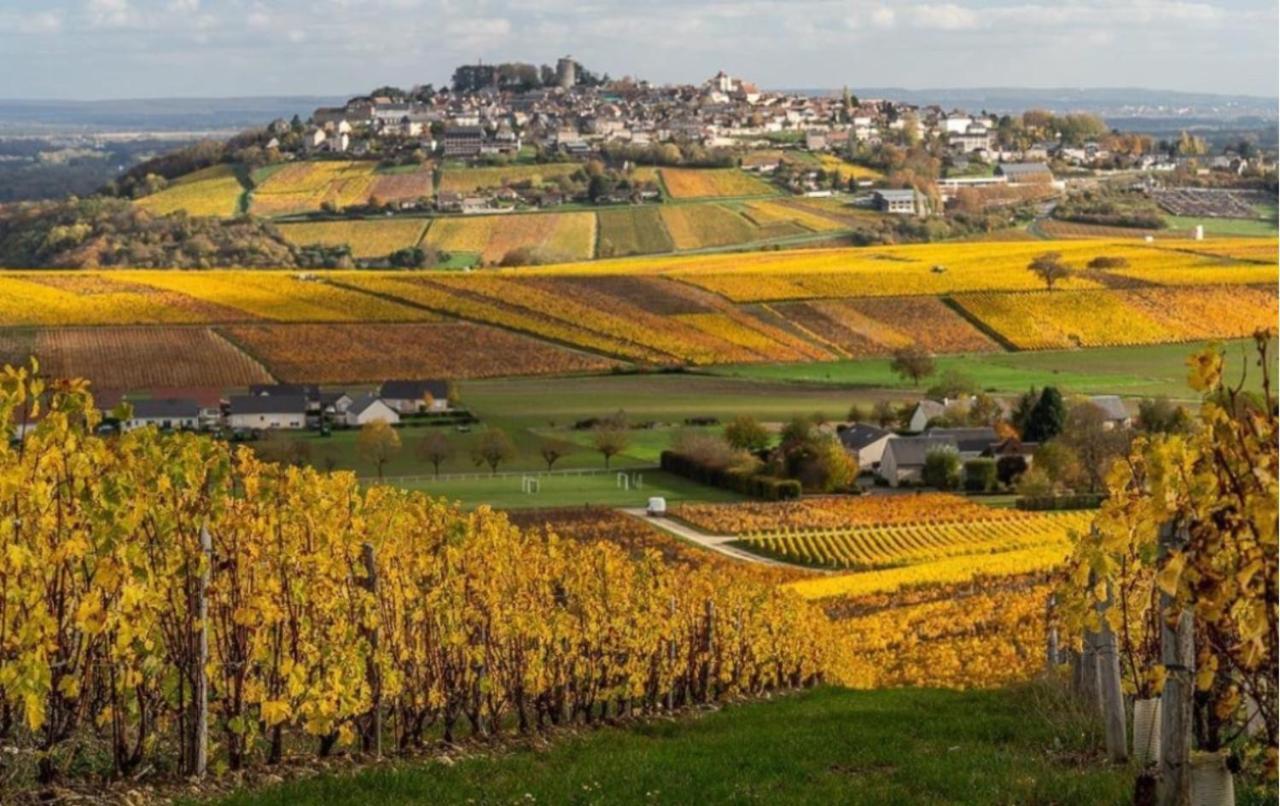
{"x":865,"y":442}
{"x":370,"y":408}
{"x":175,"y":413}
{"x":411,"y":397}
{"x":262,"y":412}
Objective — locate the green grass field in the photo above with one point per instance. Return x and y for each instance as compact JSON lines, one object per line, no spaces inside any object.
{"x":1259,"y":227}
{"x":533,"y":411}
{"x":1131,"y":371}
{"x":822,"y":747}
{"x":597,"y":489}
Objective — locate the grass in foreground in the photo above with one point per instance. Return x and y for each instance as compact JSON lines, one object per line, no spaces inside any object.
{"x":825,"y":746}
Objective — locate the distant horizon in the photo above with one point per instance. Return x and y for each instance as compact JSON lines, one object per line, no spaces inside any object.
{"x":93,"y":49}
{"x":797,"y":88}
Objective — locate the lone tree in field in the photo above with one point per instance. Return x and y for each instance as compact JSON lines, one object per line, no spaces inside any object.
{"x":436,"y":449}
{"x":610,"y":440}
{"x":378,"y":444}
{"x":912,"y":362}
{"x":493,"y":449}
{"x":553,"y":452}
{"x":745,"y":433}
{"x":1050,"y":268}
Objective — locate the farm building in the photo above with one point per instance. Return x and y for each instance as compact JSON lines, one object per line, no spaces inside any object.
{"x":368,"y":409}
{"x":865,"y":442}
{"x":970,"y":442}
{"x":1025,"y":172}
{"x":1113,"y":410}
{"x":925,"y":411}
{"x":904,"y":458}
{"x":410,"y":397}
{"x":171,"y":413}
{"x":900,"y":202}
{"x":261,"y":412}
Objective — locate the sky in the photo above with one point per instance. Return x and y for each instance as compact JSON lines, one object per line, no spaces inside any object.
{"x":94,"y":49}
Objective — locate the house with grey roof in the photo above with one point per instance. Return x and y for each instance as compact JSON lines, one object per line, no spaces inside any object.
{"x":970,"y":442}
{"x":1113,"y":410}
{"x":370,"y":408}
{"x":413,"y":396}
{"x":263,"y":412}
{"x":175,"y":413}
{"x":904,"y":458}
{"x":865,"y":443}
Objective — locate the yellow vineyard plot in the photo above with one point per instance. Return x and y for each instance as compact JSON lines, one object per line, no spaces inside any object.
{"x":700,"y":183}
{"x":213,"y":191}
{"x":912,"y":544}
{"x":282,"y":296}
{"x":848,"y":170}
{"x":697,"y":226}
{"x":1049,"y":320}
{"x":563,"y":236}
{"x":772,"y":212}
{"x":367,"y":238}
{"x":57,"y":298}
{"x":305,"y":187}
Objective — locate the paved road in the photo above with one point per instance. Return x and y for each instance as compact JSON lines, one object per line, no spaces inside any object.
{"x":720,"y":543}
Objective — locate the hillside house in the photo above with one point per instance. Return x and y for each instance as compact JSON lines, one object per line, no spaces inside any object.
{"x":1025,"y":172}
{"x":368,"y":409}
{"x":866,"y":443}
{"x":264,"y":412}
{"x":899,"y":202}
{"x":463,"y":141}
{"x":411,"y":397}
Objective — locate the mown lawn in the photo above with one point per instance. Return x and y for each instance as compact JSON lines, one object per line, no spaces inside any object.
{"x":824,"y":747}
{"x":1132,"y":371}
{"x":597,"y":489}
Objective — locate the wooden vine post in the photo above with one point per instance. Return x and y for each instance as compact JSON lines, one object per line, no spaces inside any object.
{"x":1177,"y":653}
{"x":671,"y":659}
{"x":372,"y":739}
{"x":708,"y":640}
{"x":200,"y":764}
{"x":1051,"y":635}
{"x":1110,"y":693}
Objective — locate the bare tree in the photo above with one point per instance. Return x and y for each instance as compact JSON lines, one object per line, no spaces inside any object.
{"x":436,"y":449}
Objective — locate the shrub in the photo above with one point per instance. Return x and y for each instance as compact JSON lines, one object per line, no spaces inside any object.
{"x":980,"y":475}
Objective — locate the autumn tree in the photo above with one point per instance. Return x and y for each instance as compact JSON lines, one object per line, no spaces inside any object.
{"x":912,"y":363}
{"x":378,"y":444}
{"x":1050,"y":268}
{"x":494,"y":448}
{"x":610,"y":440}
{"x":745,"y":433}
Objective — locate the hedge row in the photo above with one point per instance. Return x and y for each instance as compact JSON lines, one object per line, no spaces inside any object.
{"x":765,"y":487}
{"x":1041,"y":503}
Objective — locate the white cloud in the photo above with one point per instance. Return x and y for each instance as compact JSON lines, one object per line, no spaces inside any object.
{"x":111,"y":14}
{"x":943,"y":17}
{"x":35,"y":22}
